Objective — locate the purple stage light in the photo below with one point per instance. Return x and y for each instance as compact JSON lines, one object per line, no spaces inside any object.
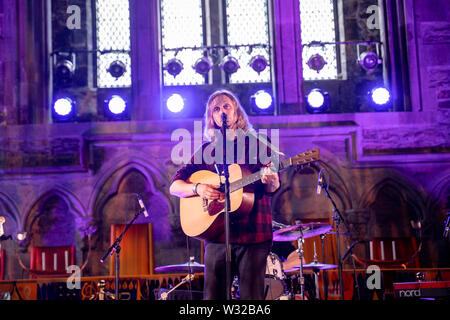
{"x":316,"y":98}
{"x":316,"y":62}
{"x":175,"y":103}
{"x":263,"y":100}
{"x":174,"y":67}
{"x":203,"y":65}
{"x":117,"y":69}
{"x":63,"y":106}
{"x":380,"y":96}
{"x":117,"y":105}
{"x":369,"y":61}
{"x":258,"y":63}
{"x":317,"y":101}
{"x":230,"y":65}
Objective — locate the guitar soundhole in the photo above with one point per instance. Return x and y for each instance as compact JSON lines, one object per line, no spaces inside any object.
{"x":215,"y":207}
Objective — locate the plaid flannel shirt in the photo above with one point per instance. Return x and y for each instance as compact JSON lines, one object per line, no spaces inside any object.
{"x":255,"y":227}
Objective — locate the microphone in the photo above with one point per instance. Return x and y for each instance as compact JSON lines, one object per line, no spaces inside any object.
{"x":142,"y":205}
{"x":224,"y":120}
{"x":319,"y":182}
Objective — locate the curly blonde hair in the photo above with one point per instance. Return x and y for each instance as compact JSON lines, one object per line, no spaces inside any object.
{"x":242,"y":118}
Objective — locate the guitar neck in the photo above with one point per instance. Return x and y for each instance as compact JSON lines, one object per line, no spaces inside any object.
{"x":239,"y":184}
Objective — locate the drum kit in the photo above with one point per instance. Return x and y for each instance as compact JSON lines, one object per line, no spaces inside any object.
{"x":277,"y":272}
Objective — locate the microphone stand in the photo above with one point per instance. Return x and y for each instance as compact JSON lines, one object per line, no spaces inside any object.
{"x":115,"y":248}
{"x":226,"y":175}
{"x":337,"y":220}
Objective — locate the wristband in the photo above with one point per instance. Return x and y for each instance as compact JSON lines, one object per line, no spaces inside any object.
{"x":194,"y":188}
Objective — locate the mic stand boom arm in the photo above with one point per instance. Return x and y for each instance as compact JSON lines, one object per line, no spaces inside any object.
{"x":115,"y":248}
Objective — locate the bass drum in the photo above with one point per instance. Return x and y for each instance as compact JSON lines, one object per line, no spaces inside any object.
{"x":274,"y":282}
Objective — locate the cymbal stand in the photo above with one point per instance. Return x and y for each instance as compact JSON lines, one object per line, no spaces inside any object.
{"x":188,"y":278}
{"x":337,"y":221}
{"x":325,"y":274}
{"x":316,"y":273}
{"x":300,"y":252}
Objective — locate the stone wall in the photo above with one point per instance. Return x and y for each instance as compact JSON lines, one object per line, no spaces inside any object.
{"x":385,"y":169}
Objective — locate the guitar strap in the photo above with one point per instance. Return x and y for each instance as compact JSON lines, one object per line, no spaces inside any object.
{"x":264,"y":140}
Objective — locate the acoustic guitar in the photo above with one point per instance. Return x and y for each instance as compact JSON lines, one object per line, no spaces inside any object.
{"x":203,"y":219}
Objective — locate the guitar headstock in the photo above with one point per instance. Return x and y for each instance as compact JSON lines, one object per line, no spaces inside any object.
{"x":305,"y":157}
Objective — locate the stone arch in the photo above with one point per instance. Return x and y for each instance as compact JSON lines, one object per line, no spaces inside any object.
{"x":298,"y":198}
{"x":115,"y":167}
{"x":436,"y":246}
{"x":393,"y":204}
{"x":116,"y":203}
{"x":8,"y":209}
{"x":59,"y":207}
{"x":56,"y":218}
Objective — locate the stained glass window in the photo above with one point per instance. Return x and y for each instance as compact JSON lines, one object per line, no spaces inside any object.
{"x":182,"y":27}
{"x":248,"y":24}
{"x":318,"y":25}
{"x":113,"y":41}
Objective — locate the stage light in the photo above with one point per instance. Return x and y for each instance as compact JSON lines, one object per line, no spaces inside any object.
{"x":175,"y":103}
{"x":380,"y":97}
{"x":258,"y":63}
{"x":174,"y":67}
{"x":117,"y":105}
{"x":369,"y":60}
{"x":63,"y":107}
{"x":316,"y":62}
{"x":263,"y":100}
{"x":317,"y":101}
{"x":64,"y":71}
{"x":230,"y":64}
{"x":203,"y":65}
{"x":117,"y":69}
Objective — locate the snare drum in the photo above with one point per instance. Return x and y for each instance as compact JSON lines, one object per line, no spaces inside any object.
{"x":274,"y":283}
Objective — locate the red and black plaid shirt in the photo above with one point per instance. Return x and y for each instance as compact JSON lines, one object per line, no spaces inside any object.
{"x":256,"y":227}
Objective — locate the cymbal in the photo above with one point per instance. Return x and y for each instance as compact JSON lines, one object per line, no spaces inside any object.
{"x":182,"y":268}
{"x":320,"y":266}
{"x":308,"y":230}
{"x":314,"y":266}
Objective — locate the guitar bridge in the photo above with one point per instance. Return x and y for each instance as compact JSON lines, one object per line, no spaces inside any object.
{"x":205,"y":204}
